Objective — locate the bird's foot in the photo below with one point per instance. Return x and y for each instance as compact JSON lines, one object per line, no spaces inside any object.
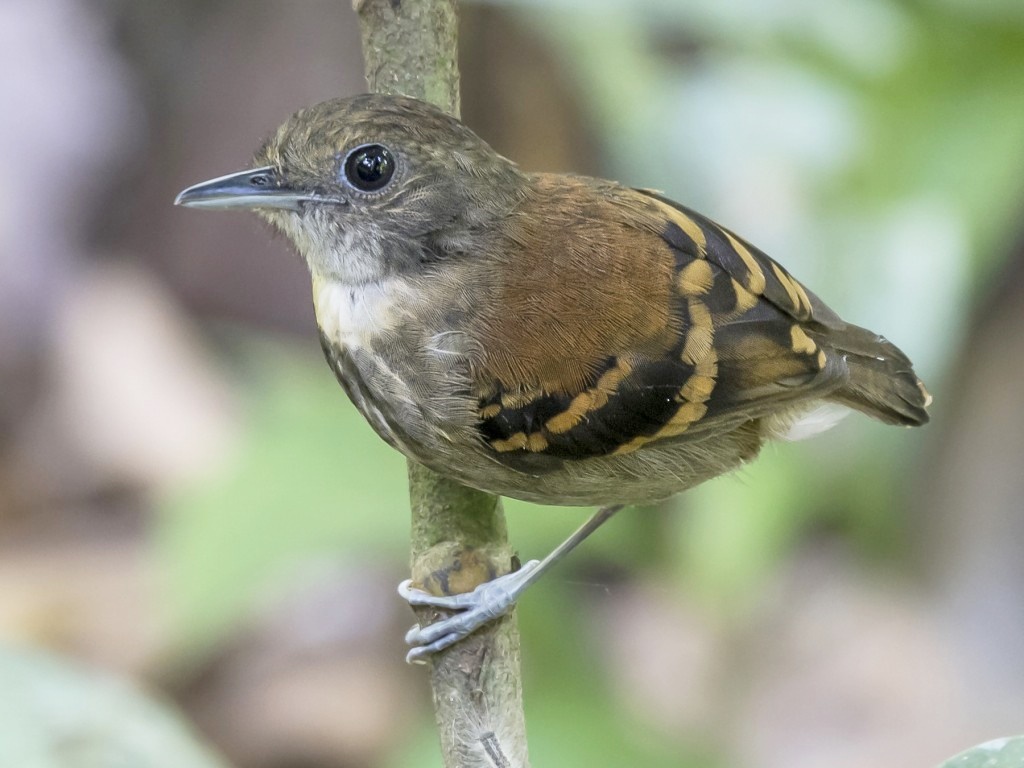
{"x":484,"y":604}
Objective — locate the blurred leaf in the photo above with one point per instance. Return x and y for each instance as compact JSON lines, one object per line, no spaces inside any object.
{"x":1000,"y":753}
{"x":55,"y":715}
{"x":311,"y":478}
{"x":948,"y":122}
{"x":737,"y":528}
{"x":574,"y":717}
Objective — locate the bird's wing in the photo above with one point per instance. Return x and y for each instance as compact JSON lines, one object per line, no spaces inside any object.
{"x":714,"y":336}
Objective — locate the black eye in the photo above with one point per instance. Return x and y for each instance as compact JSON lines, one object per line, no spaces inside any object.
{"x":369,"y":168}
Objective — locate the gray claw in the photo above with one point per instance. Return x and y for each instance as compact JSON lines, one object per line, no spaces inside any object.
{"x":416,"y":596}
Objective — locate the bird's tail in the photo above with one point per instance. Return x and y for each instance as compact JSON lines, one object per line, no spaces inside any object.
{"x":882,"y":380}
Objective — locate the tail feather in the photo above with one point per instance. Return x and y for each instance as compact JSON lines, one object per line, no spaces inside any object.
{"x":882,"y":381}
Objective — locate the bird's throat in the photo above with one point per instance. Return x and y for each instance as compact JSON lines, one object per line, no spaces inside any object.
{"x":356,"y":316}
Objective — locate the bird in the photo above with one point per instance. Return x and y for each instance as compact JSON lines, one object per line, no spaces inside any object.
{"x":548,"y":337}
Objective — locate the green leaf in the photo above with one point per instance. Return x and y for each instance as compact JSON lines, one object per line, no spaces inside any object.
{"x":999,"y":753}
{"x":55,"y":715}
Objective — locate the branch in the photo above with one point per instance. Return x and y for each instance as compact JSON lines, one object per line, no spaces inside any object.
{"x":459,"y":537}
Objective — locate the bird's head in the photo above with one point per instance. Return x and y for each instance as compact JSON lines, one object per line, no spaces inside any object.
{"x":370,"y":186}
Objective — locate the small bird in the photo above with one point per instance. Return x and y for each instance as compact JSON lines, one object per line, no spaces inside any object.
{"x":553,"y":338}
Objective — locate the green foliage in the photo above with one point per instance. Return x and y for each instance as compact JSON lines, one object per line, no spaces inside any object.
{"x":55,"y":715}
{"x":1000,"y":753}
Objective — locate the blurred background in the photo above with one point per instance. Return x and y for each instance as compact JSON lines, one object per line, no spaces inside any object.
{"x":200,"y":538}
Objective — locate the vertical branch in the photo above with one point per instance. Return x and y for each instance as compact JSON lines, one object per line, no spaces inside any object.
{"x":410,"y":47}
{"x":459,"y":538}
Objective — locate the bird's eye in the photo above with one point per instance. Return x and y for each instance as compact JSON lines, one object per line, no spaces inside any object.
{"x":369,"y":168}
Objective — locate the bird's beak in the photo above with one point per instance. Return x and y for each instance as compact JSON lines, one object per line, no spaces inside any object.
{"x":254,"y":188}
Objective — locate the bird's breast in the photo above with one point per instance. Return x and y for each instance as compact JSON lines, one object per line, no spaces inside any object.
{"x":402,"y":367}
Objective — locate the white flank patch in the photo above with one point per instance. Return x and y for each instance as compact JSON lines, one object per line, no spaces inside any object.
{"x":801,"y":424}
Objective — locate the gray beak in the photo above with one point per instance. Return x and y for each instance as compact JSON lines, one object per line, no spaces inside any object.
{"x":255,"y":188}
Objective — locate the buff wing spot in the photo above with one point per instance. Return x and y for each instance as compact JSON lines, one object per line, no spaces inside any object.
{"x":520,"y":441}
{"x":801,"y":343}
{"x":696,"y":278}
{"x":589,"y":400}
{"x":755,"y":276}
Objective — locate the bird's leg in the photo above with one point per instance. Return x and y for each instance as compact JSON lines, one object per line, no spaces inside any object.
{"x":489,"y":600}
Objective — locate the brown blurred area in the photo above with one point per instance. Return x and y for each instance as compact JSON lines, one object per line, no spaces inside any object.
{"x":111,"y":388}
{"x":112,"y":285}
{"x":114,"y":390}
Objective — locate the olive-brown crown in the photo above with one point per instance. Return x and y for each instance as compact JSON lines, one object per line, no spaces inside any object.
{"x":391,"y":177}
